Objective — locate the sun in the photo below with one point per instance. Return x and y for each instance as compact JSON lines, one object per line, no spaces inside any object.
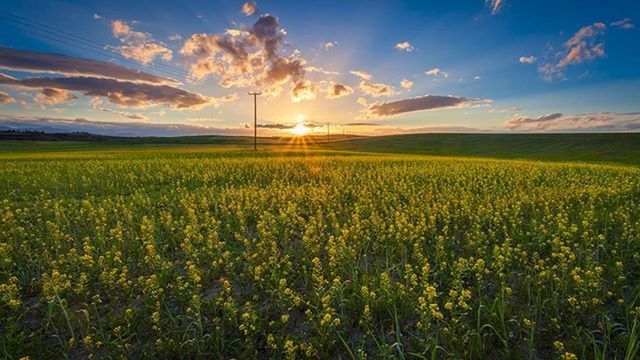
{"x":300,"y":130}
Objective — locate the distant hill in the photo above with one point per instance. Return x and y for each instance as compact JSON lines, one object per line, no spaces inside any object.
{"x":610,"y":148}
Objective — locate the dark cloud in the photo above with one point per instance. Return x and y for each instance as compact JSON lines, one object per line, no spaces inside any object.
{"x":38,"y":62}
{"x":53,"y":96}
{"x":427,"y":102}
{"x":521,"y":121}
{"x":361,"y":124}
{"x":335,"y":90}
{"x":594,"y":122}
{"x":126,"y":94}
{"x":277,"y":126}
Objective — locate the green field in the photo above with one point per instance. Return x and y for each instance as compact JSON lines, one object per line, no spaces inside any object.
{"x":353,"y":249}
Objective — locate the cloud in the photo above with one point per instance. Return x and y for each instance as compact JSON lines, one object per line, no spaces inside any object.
{"x":124,"y":114}
{"x":593,"y":122}
{"x":125,"y":94}
{"x":247,"y":58}
{"x":585,"y":45}
{"x":138,"y":45}
{"x":175,"y":37}
{"x":98,"y":17}
{"x":361,"y":74}
{"x":623,"y":24}
{"x":527,"y":59}
{"x":39,"y":62}
{"x":407,"y":84}
{"x":436,"y":72}
{"x":6,"y":98}
{"x":336,"y":90}
{"x":427,"y":102}
{"x":362,"y":102}
{"x":329,"y":45}
{"x":477,"y":77}
{"x":53,"y":96}
{"x":320,"y":70}
{"x":276,"y":126}
{"x":494,"y":5}
{"x":404,"y":46}
{"x":60,"y":125}
{"x":303,"y":90}
{"x":376,"y":89}
{"x":360,"y":124}
{"x":249,"y":8}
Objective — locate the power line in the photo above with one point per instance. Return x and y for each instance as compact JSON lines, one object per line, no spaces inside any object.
{"x":61,"y":33}
{"x":54,"y":34}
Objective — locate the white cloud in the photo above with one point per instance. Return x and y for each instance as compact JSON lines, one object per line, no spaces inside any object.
{"x":435,"y":72}
{"x":361,"y":74}
{"x":407,"y":84}
{"x":527,"y":59}
{"x":404,"y":46}
{"x":138,"y":45}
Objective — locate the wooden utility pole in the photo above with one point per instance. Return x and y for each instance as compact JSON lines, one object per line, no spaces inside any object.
{"x":255,"y":119}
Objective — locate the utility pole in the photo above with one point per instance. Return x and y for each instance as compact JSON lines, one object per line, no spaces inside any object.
{"x":255,"y":119}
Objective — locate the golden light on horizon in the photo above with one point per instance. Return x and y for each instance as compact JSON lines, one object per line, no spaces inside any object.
{"x":300,"y":130}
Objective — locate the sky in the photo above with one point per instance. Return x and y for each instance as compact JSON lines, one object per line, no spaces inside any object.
{"x":365,"y":67}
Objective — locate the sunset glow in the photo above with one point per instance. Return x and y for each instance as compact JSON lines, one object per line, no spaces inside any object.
{"x":371,"y":68}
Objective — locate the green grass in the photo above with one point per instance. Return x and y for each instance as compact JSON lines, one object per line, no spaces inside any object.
{"x":601,"y":148}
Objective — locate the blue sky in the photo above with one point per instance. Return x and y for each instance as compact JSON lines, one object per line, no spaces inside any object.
{"x":467,"y":65}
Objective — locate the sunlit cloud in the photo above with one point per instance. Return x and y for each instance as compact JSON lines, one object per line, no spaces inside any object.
{"x":6,"y":98}
{"x":39,"y":62}
{"x":527,"y":59}
{"x":249,"y":59}
{"x":362,"y":102}
{"x":585,"y":45}
{"x":249,"y":8}
{"x":361,"y":74}
{"x":436,"y":72}
{"x":138,"y":45}
{"x":404,"y":46}
{"x":420,"y":103}
{"x":407,"y":84}
{"x":53,"y":96}
{"x":125,"y":114}
{"x":97,"y":17}
{"x":320,"y":70}
{"x":606,"y":121}
{"x":303,"y":90}
{"x":376,"y":89}
{"x":494,"y":5}
{"x":175,"y":37}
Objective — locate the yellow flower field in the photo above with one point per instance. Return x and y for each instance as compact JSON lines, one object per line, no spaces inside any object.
{"x":227,"y":254}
